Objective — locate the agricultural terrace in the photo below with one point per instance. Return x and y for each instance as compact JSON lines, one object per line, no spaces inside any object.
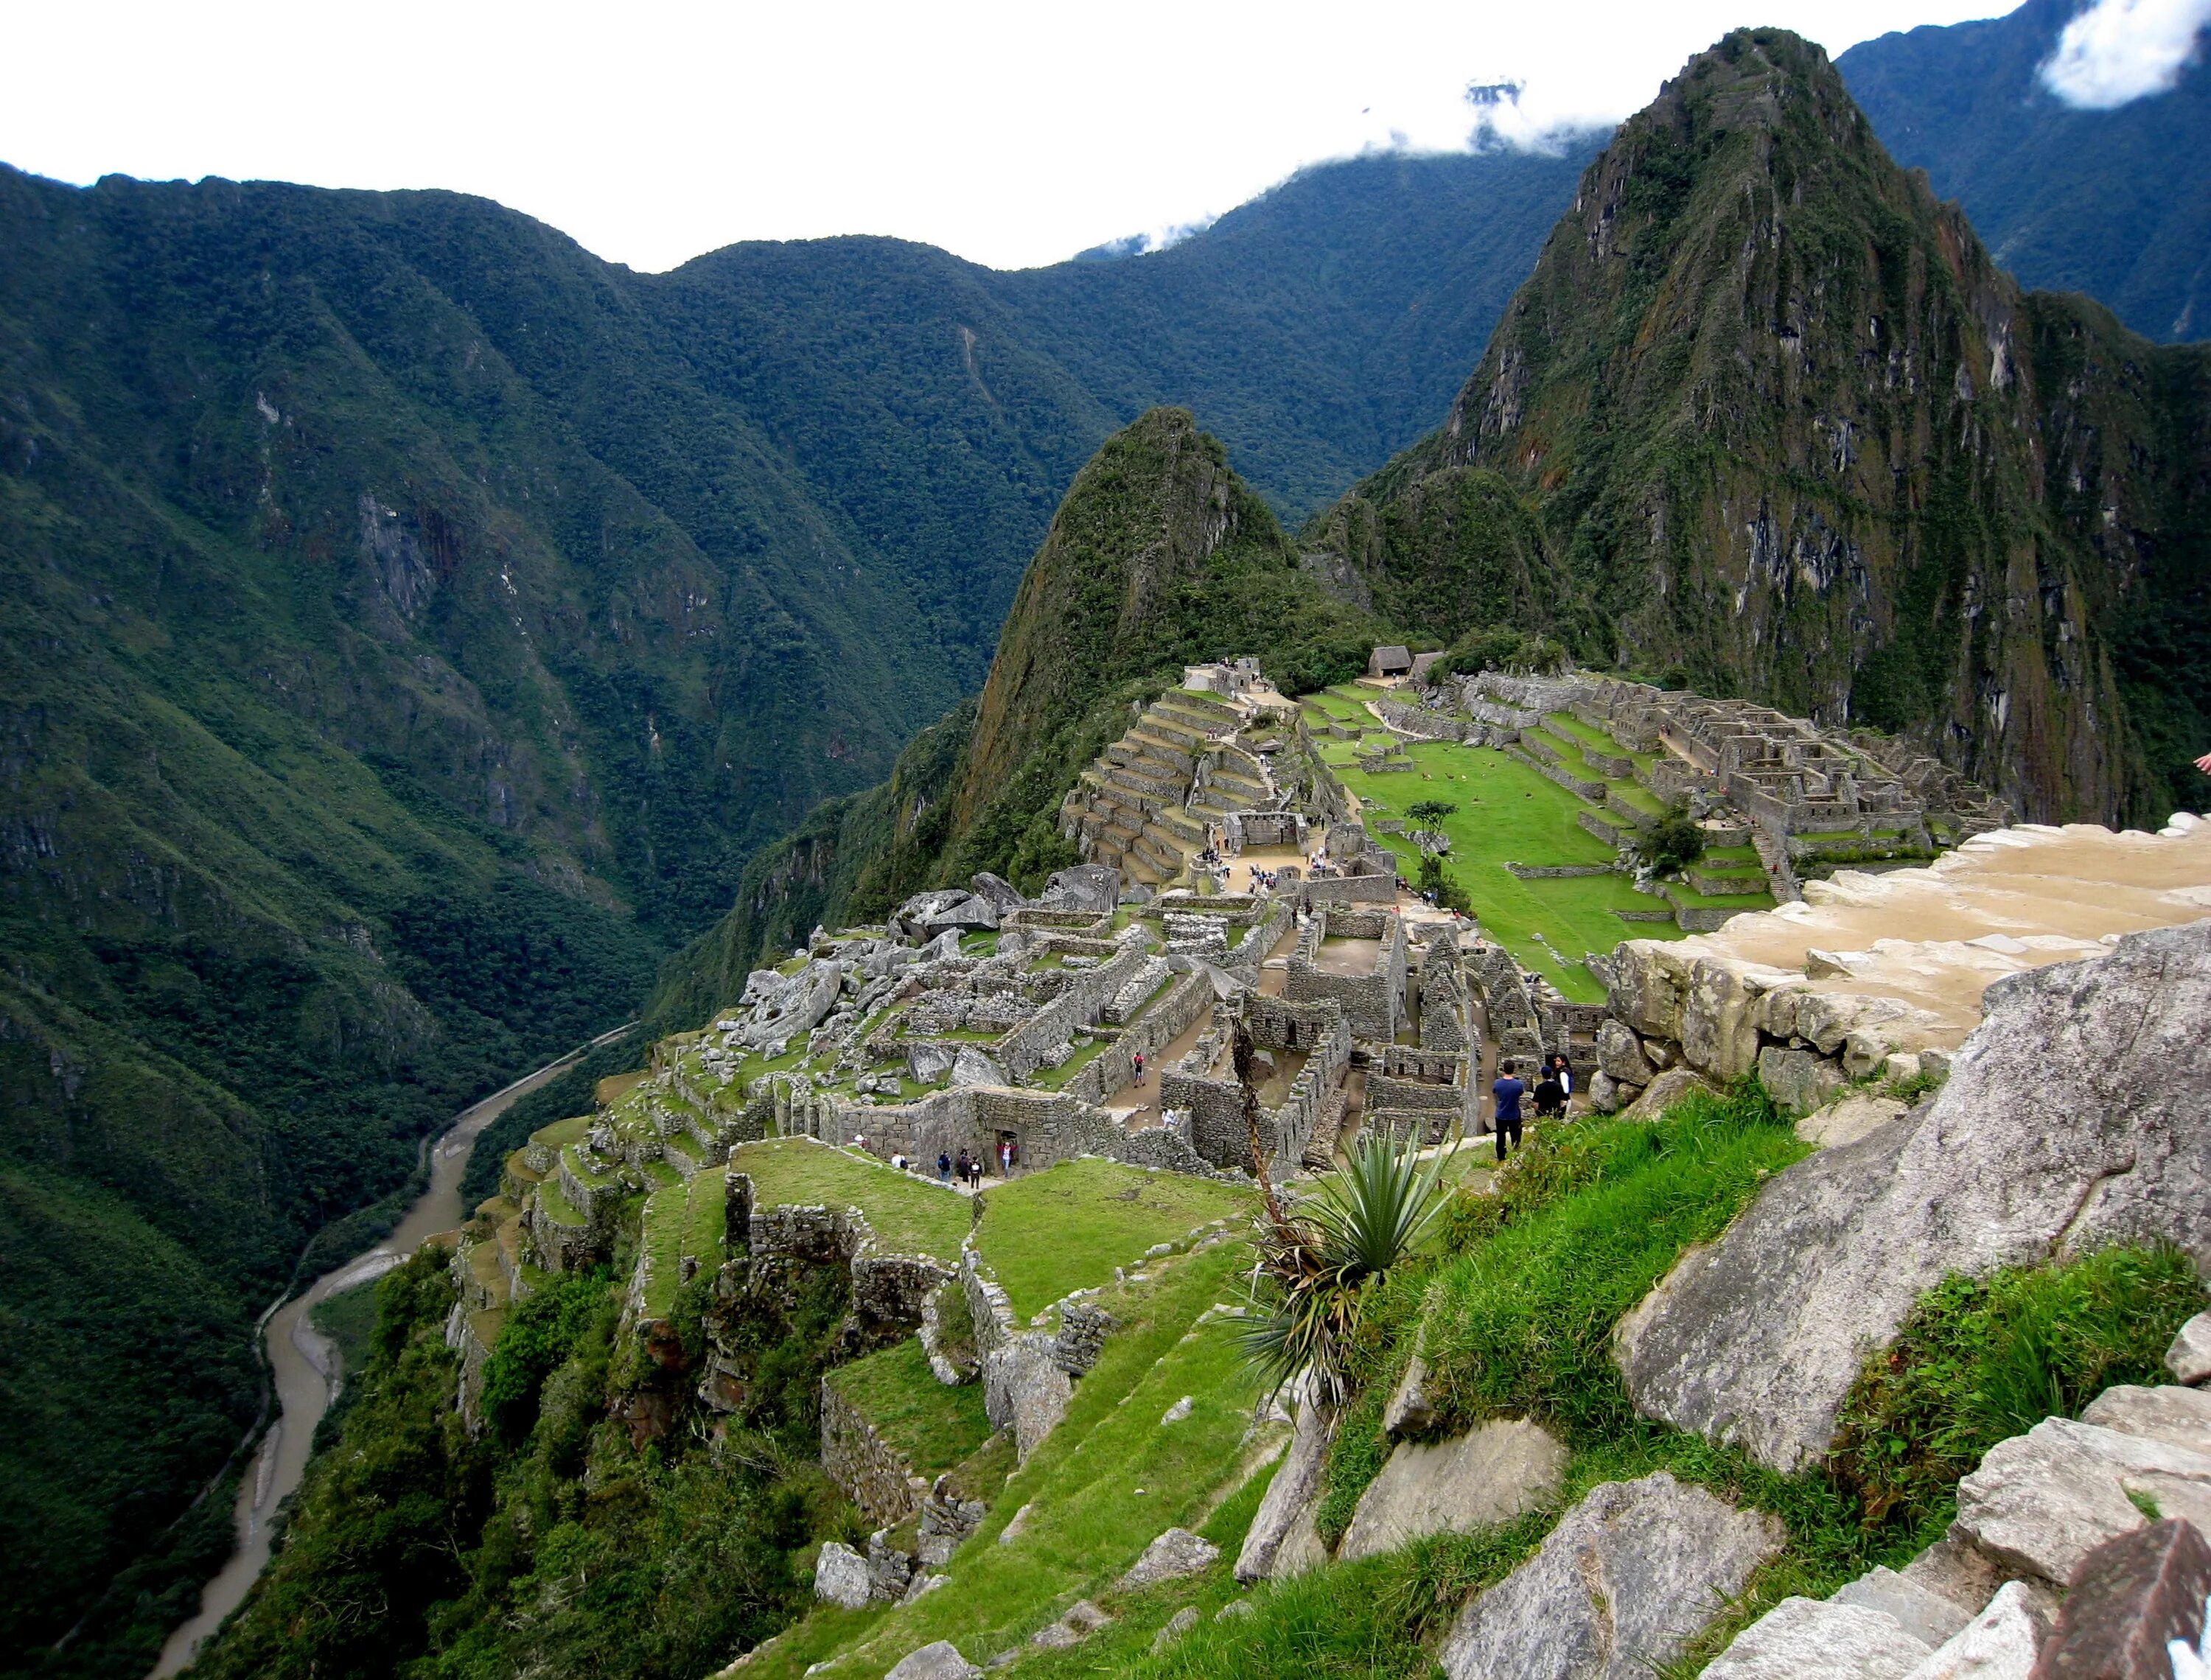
{"x":1048,"y":1234}
{"x":911,"y":1214}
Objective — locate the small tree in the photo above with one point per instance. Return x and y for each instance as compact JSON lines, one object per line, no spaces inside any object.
{"x":1429,"y":814}
{"x":1672,"y":843}
{"x":1449,"y":895}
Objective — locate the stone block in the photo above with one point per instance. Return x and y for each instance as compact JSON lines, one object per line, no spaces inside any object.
{"x":1626,"y":1580}
{"x":1175,"y":1554}
{"x":1804,"y":1639}
{"x":1410,"y":1408}
{"x":840,"y":1576}
{"x":1998,"y":1644}
{"x":1846,"y":1121}
{"x":1082,"y":1620}
{"x":1922,"y":1613}
{"x":2178,"y":1416}
{"x":2189,"y":1358}
{"x":1488,"y":1475}
{"x":939,"y":1661}
{"x":2043,"y":1500}
{"x":1620,"y":1053}
{"x":1174,"y":1628}
{"x":1288,"y":1496}
{"x":1719,"y":1031}
{"x":1797,"y":1080}
{"x":2128,"y":1597}
{"x":1606,"y":1095}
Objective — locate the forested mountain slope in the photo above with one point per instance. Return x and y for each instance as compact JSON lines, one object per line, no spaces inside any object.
{"x":415,"y":625}
{"x":1769,"y":419}
{"x":2116,"y":204}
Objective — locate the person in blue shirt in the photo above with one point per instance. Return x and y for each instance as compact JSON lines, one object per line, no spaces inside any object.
{"x":1508,"y":1091}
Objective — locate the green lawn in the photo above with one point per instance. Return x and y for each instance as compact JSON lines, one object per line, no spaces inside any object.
{"x":562,"y":1132}
{"x":1065,"y":1228}
{"x":1565,"y":723}
{"x":1507,"y":813}
{"x":934,"y":1427}
{"x":911,"y":1214}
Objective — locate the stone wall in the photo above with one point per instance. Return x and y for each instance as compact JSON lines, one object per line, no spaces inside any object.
{"x":875,"y":1475}
{"x":1081,"y":1003}
{"x":1167,"y":1020}
{"x":1374,"y":1002}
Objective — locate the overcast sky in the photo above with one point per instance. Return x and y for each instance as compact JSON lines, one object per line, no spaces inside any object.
{"x":1012,"y":133}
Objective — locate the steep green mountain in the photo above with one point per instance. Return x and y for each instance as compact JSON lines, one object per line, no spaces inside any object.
{"x":1768,"y":419}
{"x":1160,"y":557}
{"x":2115,"y":204}
{"x":416,"y":623}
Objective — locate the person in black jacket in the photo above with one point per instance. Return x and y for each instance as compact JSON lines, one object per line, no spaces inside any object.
{"x":1550,"y":1096}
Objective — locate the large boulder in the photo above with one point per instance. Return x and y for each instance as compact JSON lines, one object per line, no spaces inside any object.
{"x":1000,"y":893}
{"x":1627,"y":1578}
{"x":1620,"y":1053}
{"x":2072,"y":1119}
{"x":1175,"y":1554}
{"x":966,"y":914}
{"x":780,"y":1008}
{"x":974,"y":1066}
{"x":939,"y":1661}
{"x":1849,"y":1120}
{"x":2189,"y":1358}
{"x":1665,"y":1090}
{"x":1087,"y":886}
{"x":840,"y":1576}
{"x":1798,"y":1081}
{"x":912,"y":917}
{"x":1488,"y":1475}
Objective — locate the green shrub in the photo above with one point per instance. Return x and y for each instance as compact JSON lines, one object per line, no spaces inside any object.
{"x":1981,"y":1359}
{"x":539,"y":1334}
{"x":1672,"y":843}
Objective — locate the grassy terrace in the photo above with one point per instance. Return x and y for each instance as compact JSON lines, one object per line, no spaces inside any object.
{"x":1508,"y":813}
{"x":1099,"y":1489}
{"x":933,"y":1426}
{"x":912,"y":1215}
{"x":1565,"y":724}
{"x":1066,"y":1228}
{"x":688,"y":1217}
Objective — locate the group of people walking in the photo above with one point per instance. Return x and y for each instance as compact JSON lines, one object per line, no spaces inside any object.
{"x":1554,"y":1089}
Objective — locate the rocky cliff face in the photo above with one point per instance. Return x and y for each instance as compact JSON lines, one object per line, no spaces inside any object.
{"x":1768,"y":417}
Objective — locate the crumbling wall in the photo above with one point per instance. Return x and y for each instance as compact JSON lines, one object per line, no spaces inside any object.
{"x":873,"y":1474}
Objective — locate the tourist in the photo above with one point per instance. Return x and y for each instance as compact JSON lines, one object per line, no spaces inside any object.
{"x":943,"y":1168}
{"x":1565,"y":1072}
{"x":1138,"y":1060}
{"x":1550,"y":1096}
{"x":1508,"y":1091}
{"x":975,"y":1171}
{"x":966,"y":1166}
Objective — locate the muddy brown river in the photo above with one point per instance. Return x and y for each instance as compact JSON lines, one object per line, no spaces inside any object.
{"x":303,"y":1362}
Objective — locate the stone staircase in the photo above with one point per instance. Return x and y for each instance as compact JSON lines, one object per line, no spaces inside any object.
{"x":1142,"y":806}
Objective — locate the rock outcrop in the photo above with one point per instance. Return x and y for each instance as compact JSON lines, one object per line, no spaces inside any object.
{"x":2073,"y":1118}
{"x":1488,"y":1475}
{"x":1628,"y":1577}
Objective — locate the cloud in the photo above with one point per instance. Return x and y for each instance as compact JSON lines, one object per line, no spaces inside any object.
{"x":2119,"y":50}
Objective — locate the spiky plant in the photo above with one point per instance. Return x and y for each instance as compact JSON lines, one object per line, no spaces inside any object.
{"x":1317,"y":1263}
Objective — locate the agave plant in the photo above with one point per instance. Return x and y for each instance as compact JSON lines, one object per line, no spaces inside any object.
{"x":1317,"y":1261}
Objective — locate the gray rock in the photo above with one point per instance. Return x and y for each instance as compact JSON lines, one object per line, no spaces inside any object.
{"x":1234,"y":1609}
{"x":928,"y":1060}
{"x":1998,"y":1644}
{"x":2043,"y":1500}
{"x":1293,"y":1488}
{"x":1619,"y":1053}
{"x":2046,"y":1499}
{"x":840,"y":1576}
{"x":1087,"y":886}
{"x":1849,"y":1120}
{"x":998,"y":891}
{"x":1756,"y":1340}
{"x":1797,"y":1080}
{"x":912,"y":917}
{"x":965,"y":915}
{"x":1968,"y":1578}
{"x":1175,"y":1554}
{"x":1606,"y":1095}
{"x":1301,"y":1549}
{"x":2178,"y":1416}
{"x":1177,"y":1412}
{"x":1082,"y":1619}
{"x":1411,"y":1409}
{"x":974,"y":1066}
{"x":939,"y":1661}
{"x":1926,"y":1616}
{"x":1803,"y":1639}
{"x":1015,"y":1526}
{"x":2189,"y":1358}
{"x":1665,"y":1090}
{"x":1174,"y":1628}
{"x":1493,"y":1473}
{"x":1627,"y":1578}
{"x":1026,"y":1389}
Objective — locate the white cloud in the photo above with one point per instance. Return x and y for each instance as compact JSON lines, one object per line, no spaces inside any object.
{"x":2118,"y":50}
{"x":1011,"y":132}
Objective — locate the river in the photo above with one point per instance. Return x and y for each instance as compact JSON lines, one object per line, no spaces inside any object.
{"x":303,"y":1362}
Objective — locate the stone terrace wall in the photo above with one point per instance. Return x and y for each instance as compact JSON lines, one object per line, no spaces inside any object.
{"x":1167,"y":1020}
{"x":873,"y":1475}
{"x":1080,"y":1004}
{"x":1374,"y":1002}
